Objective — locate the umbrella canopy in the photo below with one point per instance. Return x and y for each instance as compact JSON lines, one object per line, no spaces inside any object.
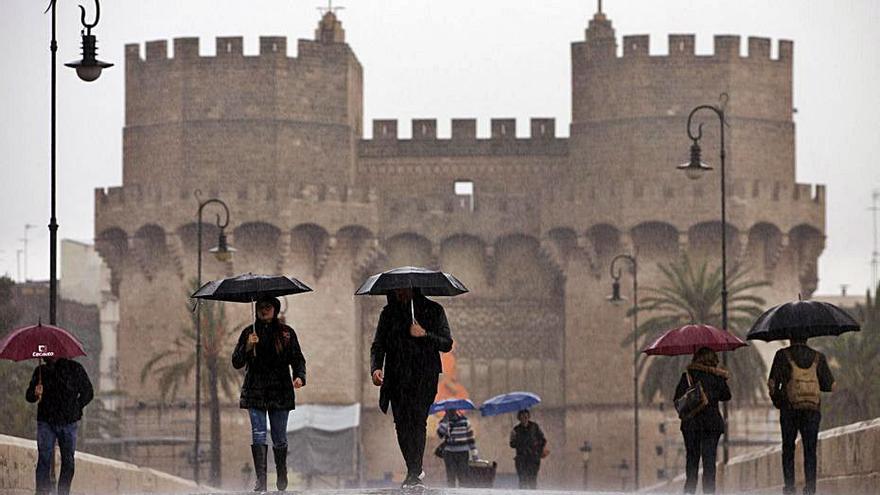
{"x":451,"y":404}
{"x":249,"y":287}
{"x":511,"y":402}
{"x":39,"y":341}
{"x":431,"y":282}
{"x":802,"y":320}
{"x":689,"y":338}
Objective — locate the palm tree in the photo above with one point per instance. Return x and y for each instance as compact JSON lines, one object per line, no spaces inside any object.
{"x":855,"y":361}
{"x":175,"y":365}
{"x":690,"y":295}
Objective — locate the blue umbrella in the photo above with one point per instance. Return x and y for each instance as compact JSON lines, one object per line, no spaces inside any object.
{"x":451,"y":404}
{"x":512,"y":402}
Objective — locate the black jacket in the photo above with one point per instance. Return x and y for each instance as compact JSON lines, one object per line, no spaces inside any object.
{"x":405,"y":360}
{"x":529,"y":441}
{"x":66,"y":391}
{"x":780,"y":371}
{"x":267,"y":380}
{"x":714,"y":381}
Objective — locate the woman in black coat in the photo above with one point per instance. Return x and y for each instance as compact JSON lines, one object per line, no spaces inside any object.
{"x":268,"y":350}
{"x":702,"y":431}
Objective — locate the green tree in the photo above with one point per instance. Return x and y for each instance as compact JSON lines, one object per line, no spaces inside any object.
{"x":855,"y":361}
{"x":19,"y":416}
{"x":692,"y":294}
{"x":174,"y":366}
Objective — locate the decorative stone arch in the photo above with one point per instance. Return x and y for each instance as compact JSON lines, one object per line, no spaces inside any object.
{"x":655,"y":241}
{"x":522,"y":271}
{"x":308,"y":244}
{"x":358,"y":247}
{"x":188,"y":235}
{"x":603,"y":243}
{"x":112,"y":245}
{"x":150,"y":249}
{"x":259,"y":247}
{"x":764,"y":247}
{"x":466,"y":256}
{"x":807,"y":243}
{"x":559,"y":245}
{"x":409,"y":248}
{"x":704,"y":242}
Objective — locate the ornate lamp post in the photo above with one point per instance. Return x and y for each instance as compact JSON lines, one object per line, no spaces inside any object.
{"x":615,"y":298}
{"x":88,"y":69}
{"x":695,"y":169}
{"x":223,"y":253}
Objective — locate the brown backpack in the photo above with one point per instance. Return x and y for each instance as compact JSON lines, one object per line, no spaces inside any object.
{"x":802,"y":389}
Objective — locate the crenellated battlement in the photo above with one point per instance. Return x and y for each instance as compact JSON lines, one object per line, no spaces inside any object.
{"x":725,"y":48}
{"x":464,"y":140}
{"x":229,"y":48}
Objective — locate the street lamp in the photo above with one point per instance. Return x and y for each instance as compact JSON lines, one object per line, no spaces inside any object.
{"x":586,"y":449}
{"x":223,"y":253}
{"x":695,"y":169}
{"x":615,"y":298}
{"x":88,"y":69}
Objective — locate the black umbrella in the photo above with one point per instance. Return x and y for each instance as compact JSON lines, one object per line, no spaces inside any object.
{"x":249,"y":287}
{"x":802,"y":320}
{"x":431,"y":282}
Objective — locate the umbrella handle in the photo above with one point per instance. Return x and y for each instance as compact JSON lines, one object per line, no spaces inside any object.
{"x":412,"y":308}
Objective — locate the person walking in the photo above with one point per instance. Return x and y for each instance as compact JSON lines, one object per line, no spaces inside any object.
{"x":405,"y":362}
{"x":529,"y":442}
{"x":268,"y":350}
{"x":797,"y":377}
{"x":61,"y":388}
{"x":459,"y":446}
{"x":702,"y":430}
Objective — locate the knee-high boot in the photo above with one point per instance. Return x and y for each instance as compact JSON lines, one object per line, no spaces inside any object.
{"x":259,"y":452}
{"x":280,"y":467}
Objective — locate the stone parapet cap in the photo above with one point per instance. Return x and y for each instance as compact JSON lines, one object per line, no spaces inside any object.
{"x":725,"y":48}
{"x":188,"y":49}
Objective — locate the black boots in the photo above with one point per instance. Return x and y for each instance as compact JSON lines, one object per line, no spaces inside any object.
{"x":259,"y":452}
{"x":280,"y":467}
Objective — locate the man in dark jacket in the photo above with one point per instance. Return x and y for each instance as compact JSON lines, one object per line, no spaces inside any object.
{"x":528,"y":440}
{"x":797,"y":376}
{"x":62,"y":388}
{"x":702,"y":431}
{"x":405,"y":363}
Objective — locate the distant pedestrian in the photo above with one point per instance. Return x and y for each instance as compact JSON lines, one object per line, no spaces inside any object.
{"x":459,"y":446}
{"x":530,"y":444}
{"x":702,"y":430}
{"x":61,"y":387}
{"x":268,"y":350}
{"x":405,"y":362}
{"x":797,"y":377}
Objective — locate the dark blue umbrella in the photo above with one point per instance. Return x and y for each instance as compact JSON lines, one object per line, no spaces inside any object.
{"x":452,"y":405}
{"x":430,"y":282}
{"x":506,"y":403}
{"x":802,"y":320}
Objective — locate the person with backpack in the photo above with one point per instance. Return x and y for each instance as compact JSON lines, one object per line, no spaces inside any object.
{"x":797,"y":377}
{"x":702,"y":426}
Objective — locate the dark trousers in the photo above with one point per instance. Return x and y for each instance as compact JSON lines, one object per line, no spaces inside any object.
{"x":805,"y":422}
{"x":527,"y":472}
{"x":47,"y":435}
{"x":456,"y":468}
{"x":410,"y":410}
{"x":699,"y":445}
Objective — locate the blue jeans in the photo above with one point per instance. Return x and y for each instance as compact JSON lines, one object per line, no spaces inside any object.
{"x":277,"y":422}
{"x":47,"y":435}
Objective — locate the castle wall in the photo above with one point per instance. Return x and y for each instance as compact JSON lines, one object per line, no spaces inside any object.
{"x":548,"y":215}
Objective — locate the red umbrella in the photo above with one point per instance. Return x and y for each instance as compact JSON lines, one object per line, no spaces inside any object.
{"x":39,"y":341}
{"x":689,"y":338}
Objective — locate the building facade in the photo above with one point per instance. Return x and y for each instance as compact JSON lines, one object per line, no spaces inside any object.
{"x":529,"y":224}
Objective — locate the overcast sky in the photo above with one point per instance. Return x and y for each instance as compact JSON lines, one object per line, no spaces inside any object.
{"x":434,"y":59}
